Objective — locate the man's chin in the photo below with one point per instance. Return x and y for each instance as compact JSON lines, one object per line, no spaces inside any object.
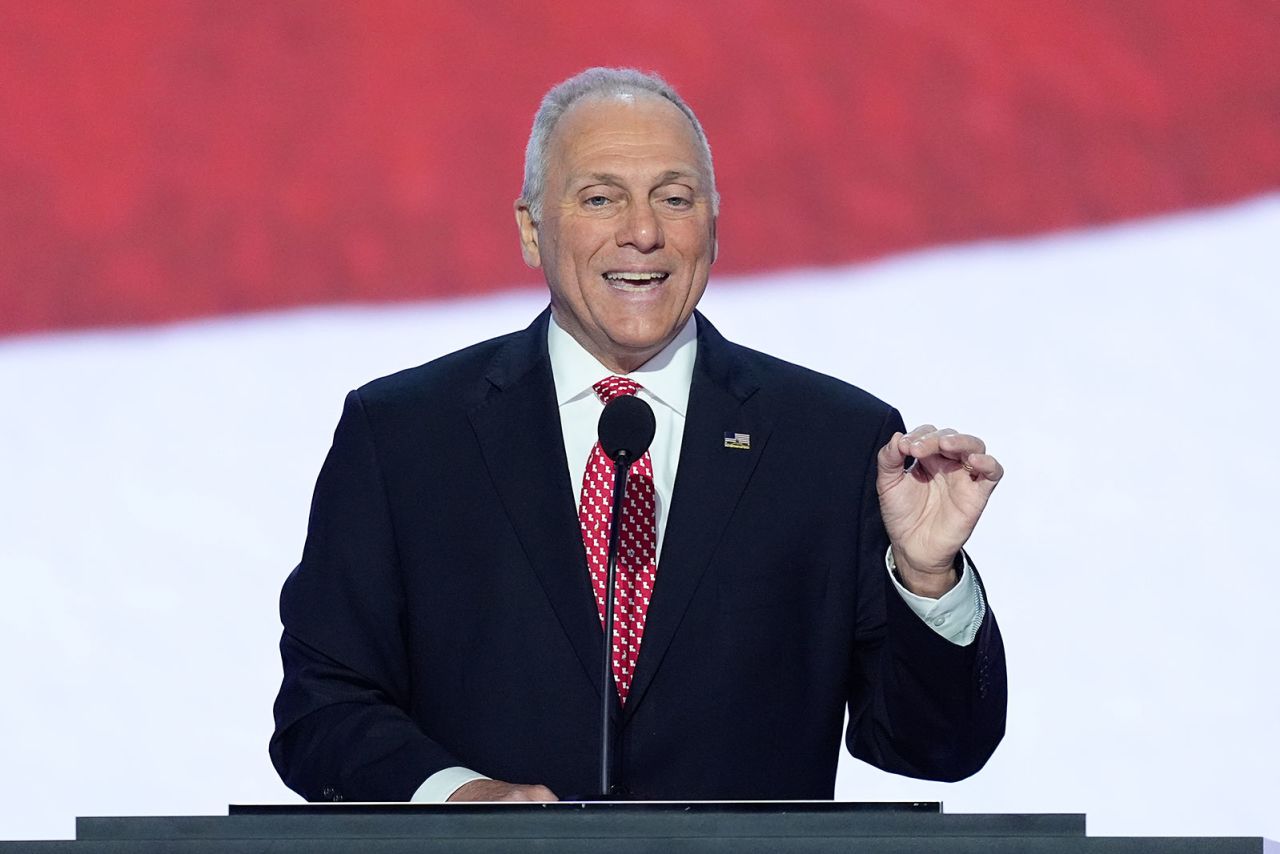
{"x":635,"y":350}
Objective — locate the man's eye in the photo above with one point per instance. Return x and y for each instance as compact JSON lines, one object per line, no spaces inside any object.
{"x":678,"y":202}
{"x":596,"y":201}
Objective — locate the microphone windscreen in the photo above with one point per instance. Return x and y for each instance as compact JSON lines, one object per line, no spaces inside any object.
{"x":627,"y":424}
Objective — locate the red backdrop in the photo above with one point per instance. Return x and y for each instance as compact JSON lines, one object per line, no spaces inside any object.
{"x":161,"y":160}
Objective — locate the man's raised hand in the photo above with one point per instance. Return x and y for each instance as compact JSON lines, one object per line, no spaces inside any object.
{"x":931,"y":508}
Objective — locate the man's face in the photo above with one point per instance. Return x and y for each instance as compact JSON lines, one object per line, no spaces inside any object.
{"x":627,"y":234}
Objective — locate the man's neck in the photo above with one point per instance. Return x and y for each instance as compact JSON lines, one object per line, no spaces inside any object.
{"x":667,"y":375}
{"x":623,"y":362}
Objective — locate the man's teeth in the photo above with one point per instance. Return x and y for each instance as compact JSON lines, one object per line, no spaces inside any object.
{"x":635,"y":277}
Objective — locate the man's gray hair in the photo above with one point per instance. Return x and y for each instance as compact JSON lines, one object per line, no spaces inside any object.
{"x":597,"y":82}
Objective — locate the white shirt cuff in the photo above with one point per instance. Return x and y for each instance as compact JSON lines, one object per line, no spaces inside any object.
{"x":437,"y":788}
{"x":956,"y":616}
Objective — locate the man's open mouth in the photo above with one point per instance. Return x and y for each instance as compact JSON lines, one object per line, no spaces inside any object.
{"x":641,"y":281}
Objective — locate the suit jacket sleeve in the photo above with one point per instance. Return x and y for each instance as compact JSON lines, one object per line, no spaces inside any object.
{"x":921,"y":705}
{"x":342,"y":722}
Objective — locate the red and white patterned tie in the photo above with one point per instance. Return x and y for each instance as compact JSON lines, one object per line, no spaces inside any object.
{"x":637,"y":544}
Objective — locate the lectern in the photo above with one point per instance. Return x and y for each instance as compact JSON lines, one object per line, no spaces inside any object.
{"x":617,"y":828}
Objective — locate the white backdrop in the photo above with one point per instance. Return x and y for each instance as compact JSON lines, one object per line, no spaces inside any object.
{"x":154,"y":487}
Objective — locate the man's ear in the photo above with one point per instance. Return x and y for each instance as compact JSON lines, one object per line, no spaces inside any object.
{"x":528,"y":234}
{"x":715,"y":242}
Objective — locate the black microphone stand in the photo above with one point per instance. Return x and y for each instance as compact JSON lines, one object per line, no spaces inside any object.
{"x":626,"y":429}
{"x":621,"y":467}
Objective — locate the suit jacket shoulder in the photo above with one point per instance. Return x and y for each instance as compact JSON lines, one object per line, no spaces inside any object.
{"x":791,"y":392}
{"x":464,"y":376}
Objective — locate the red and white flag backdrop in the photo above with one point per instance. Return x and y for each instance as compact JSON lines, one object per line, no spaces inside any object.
{"x":1055,"y":225}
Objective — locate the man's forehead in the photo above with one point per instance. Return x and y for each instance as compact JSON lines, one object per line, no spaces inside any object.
{"x":665,"y":176}
{"x":601,"y":112}
{"x":598,"y":128}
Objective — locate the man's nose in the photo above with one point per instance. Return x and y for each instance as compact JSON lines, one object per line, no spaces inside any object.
{"x":641,"y":228}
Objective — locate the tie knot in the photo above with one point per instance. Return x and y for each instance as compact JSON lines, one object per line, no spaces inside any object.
{"x":610,"y":387}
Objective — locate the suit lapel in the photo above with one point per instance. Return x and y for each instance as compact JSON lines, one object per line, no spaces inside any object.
{"x":518,"y":427}
{"x":709,"y":481}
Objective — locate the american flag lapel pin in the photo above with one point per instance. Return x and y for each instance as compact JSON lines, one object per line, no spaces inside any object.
{"x":738,"y":441}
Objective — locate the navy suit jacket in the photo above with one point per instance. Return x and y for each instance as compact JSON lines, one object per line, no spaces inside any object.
{"x":442,"y":612}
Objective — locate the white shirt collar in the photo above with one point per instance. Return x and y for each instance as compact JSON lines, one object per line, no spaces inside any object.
{"x":666,"y":377}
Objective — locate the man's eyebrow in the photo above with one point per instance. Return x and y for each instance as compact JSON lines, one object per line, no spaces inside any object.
{"x":676,"y":175}
{"x":602,"y":178}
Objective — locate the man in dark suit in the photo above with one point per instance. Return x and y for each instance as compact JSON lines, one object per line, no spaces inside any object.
{"x":442,"y":632}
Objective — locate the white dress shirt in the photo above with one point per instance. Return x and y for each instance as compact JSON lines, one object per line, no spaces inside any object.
{"x":664,"y":384}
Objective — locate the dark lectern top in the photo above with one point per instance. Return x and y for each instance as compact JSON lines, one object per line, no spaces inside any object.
{"x":780,"y":827}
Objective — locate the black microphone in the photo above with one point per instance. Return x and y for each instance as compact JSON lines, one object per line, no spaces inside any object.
{"x":626,"y":429}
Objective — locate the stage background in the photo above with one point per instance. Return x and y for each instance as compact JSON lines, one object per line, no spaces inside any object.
{"x":1054,"y":226}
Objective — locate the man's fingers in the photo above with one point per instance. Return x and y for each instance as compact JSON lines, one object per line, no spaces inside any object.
{"x":957,"y":445}
{"x":891,"y":456}
{"x":946,"y":442}
{"x":928,"y":441}
{"x":539,"y":793}
{"x":915,"y":436}
{"x":922,"y":442}
{"x":983,"y":466}
{"x":498,"y":790}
